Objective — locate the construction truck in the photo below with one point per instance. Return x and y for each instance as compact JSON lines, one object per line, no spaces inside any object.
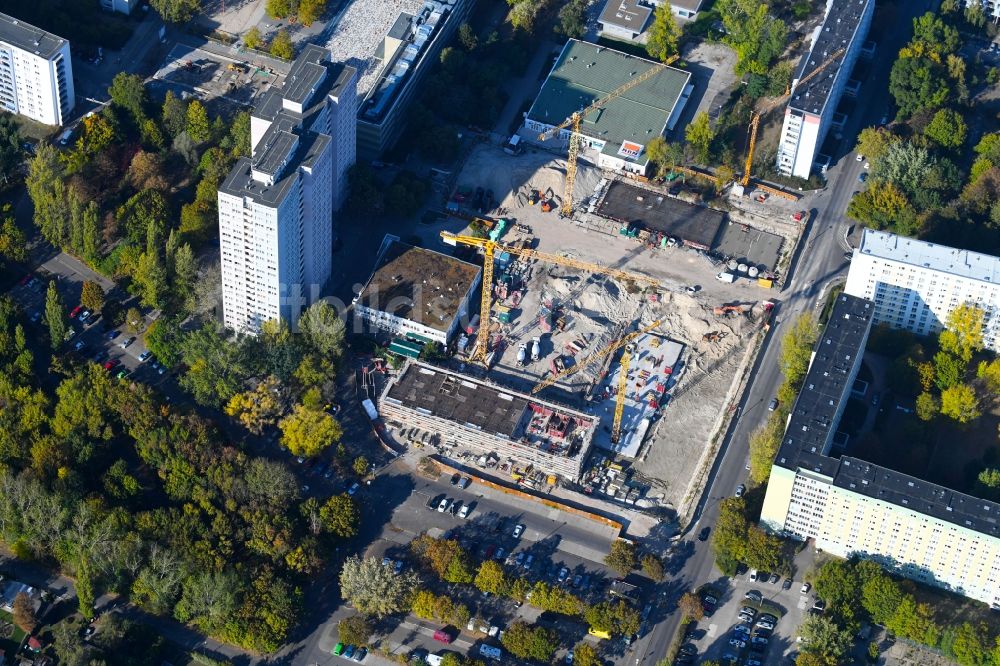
{"x":726,"y":277}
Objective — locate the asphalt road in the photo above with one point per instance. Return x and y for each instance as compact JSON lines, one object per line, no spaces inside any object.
{"x":820,"y":265}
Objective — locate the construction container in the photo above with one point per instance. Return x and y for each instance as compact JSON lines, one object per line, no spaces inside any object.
{"x":764,"y":282}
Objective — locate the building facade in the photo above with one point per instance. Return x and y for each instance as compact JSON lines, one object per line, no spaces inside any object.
{"x":418,"y":293}
{"x":915,"y":284}
{"x":811,"y":109}
{"x":850,"y":507}
{"x":276,"y":208}
{"x":407,"y":53}
{"x":470,"y":415}
{"x":36,"y":73}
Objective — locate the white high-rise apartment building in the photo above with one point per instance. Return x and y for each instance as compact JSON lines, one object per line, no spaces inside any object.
{"x":915,"y":284}
{"x":36,"y":72}
{"x":850,"y":507}
{"x":810,"y":111}
{"x":276,"y":207}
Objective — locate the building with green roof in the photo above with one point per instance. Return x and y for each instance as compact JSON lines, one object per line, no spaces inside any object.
{"x":618,"y":131}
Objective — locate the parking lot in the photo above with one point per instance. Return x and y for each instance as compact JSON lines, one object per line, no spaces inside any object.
{"x":533,"y":541}
{"x":722,"y":634}
{"x":93,"y":337}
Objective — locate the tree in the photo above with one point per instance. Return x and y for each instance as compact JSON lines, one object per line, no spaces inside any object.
{"x":614,"y":617}
{"x":948,"y":370}
{"x":522,"y":15}
{"x":323,"y":329}
{"x":883,"y":206}
{"x":11,"y":152}
{"x":665,"y":155}
{"x":216,"y":366}
{"x":92,"y":296}
{"x":340,"y":516}
{"x":147,"y":172}
{"x":69,"y":645}
{"x":259,"y":407}
{"x":664,"y":34}
{"x":730,"y":533}
{"x":197,"y":125}
{"x":837,"y":583}
{"x":529,"y":642}
{"x":947,"y":129}
{"x":310,"y":10}
{"x":208,"y":599}
{"x":763,"y":550}
{"x":354,"y":630}
{"x":796,"y":348}
{"x":24,"y":613}
{"x":880,"y":596}
{"x":176,"y":11}
{"x":492,"y":578}
{"x":128,"y":92}
{"x":699,"y":134}
{"x":963,"y":334}
{"x":573,"y":19}
{"x":174,"y":114}
{"x":959,"y":402}
{"x":972,"y":642}
{"x":652,"y":566}
{"x":134,"y":320}
{"x":308,"y":432}
{"x":239,"y":134}
{"x":690,"y":606}
{"x":13,"y":242}
{"x":873,"y":142}
{"x":252,"y":39}
{"x":823,"y":637}
{"x":928,"y":406}
{"x":764,"y":443}
{"x":278,"y":8}
{"x":757,"y":37}
{"x":55,"y":316}
{"x":622,"y":557}
{"x":374,"y":589}
{"x":584,"y":654}
{"x":281,"y":46}
{"x":917,"y":84}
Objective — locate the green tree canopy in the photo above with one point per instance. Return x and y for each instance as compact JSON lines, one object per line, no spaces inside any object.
{"x":530,"y":642}
{"x":374,"y":589}
{"x":622,"y":557}
{"x":176,"y":11}
{"x":663,"y":37}
{"x":947,"y":129}
{"x":699,"y":134}
{"x":308,"y":432}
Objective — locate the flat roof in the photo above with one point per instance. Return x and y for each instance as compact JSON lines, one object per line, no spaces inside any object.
{"x":690,"y":5}
{"x":29,"y":38}
{"x":586,"y":72}
{"x":276,"y":147}
{"x":626,"y":203}
{"x":489,"y":408}
{"x":963,"y":263}
{"x":419,"y":285}
{"x":310,"y":80}
{"x":920,"y":496}
{"x":359,"y":33}
{"x":626,"y":13}
{"x":813,"y":415}
{"x":843,"y":19}
{"x":240,"y":181}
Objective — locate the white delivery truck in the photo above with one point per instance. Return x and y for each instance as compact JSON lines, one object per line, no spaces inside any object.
{"x":370,"y":409}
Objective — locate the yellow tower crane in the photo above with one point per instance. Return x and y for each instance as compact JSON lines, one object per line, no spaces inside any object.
{"x":574,"y":120}
{"x":610,"y":349}
{"x":755,"y":120}
{"x":490,"y":248}
{"x":616,"y":425}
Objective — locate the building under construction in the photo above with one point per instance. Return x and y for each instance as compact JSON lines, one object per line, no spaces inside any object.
{"x":525,"y":435}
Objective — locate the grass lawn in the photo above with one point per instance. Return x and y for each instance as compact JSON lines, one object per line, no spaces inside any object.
{"x":10,"y":645}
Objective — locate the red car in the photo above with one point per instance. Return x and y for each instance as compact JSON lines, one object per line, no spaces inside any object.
{"x":111,"y":364}
{"x":23,"y":281}
{"x":75,"y":312}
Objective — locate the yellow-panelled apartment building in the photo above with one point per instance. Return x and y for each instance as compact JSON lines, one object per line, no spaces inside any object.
{"x":850,"y":507}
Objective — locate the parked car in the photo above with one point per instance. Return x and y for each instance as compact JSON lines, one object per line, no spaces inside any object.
{"x":127,"y":342}
{"x":805,"y":588}
{"x":754,"y":596}
{"x":455,"y":479}
{"x":518,"y":530}
{"x":75,"y":311}
{"x":353,"y":489}
{"x":703,"y":535}
{"x":443,"y":505}
{"x":464,"y":483}
{"x":773,"y":405}
{"x":787,"y":585}
{"x":753,"y":575}
{"x":361,"y":654}
{"x":775,"y":578}
{"x":737,"y":643}
{"x":563,"y":573}
{"x":740,"y":489}
{"x":112,"y":334}
{"x":464,"y":512}
{"x":144,"y":356}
